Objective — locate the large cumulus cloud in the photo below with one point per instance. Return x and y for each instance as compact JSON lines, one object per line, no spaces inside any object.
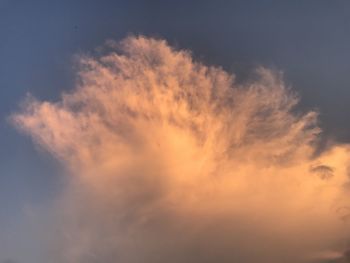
{"x":173,"y":161}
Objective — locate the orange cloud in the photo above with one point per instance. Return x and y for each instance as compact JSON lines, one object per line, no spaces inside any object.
{"x":174,"y":161}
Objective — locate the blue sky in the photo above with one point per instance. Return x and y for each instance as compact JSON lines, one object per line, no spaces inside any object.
{"x":308,"y":40}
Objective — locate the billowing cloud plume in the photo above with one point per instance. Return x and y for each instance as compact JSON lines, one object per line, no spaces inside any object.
{"x":174,"y":161}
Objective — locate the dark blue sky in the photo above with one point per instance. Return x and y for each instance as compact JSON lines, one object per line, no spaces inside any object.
{"x":308,"y":40}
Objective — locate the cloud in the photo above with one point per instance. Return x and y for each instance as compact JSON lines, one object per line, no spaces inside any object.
{"x":173,"y":161}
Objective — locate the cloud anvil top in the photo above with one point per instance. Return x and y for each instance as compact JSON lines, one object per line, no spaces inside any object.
{"x":174,"y":161}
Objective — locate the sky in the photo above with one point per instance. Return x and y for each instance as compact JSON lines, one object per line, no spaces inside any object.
{"x":39,"y":41}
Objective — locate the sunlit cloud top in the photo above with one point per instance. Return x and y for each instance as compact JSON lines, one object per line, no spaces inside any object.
{"x":174,"y":161}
